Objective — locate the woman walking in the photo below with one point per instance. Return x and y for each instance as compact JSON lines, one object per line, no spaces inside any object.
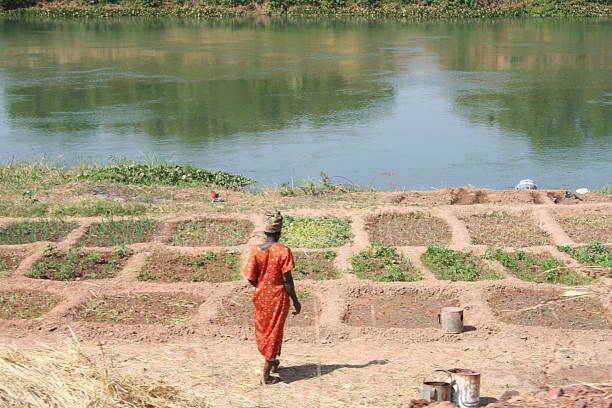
{"x":269,"y":271}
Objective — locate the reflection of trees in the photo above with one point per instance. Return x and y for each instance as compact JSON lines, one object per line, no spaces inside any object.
{"x":546,"y":79}
{"x":189,"y":80}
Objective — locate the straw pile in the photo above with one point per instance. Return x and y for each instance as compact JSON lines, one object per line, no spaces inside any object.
{"x":73,"y":379}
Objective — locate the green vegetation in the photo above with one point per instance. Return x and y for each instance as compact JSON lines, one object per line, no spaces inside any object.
{"x":454,"y":265}
{"x":605,"y":189}
{"x":77,"y":264}
{"x":208,"y":267}
{"x":25,"y":304}
{"x":33,"y":231}
{"x":211,"y":232}
{"x":383,"y":264}
{"x":315,"y":265}
{"x":536,"y":268}
{"x":94,"y":208}
{"x":129,"y":172}
{"x":112,"y":233}
{"x":316,"y":232}
{"x":595,"y":254}
{"x":23,"y":209}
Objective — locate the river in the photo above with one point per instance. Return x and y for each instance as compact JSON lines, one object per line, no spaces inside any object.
{"x":395,"y":104}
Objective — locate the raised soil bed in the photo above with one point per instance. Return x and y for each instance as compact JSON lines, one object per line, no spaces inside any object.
{"x":9,"y":261}
{"x":166,"y":266}
{"x":26,"y":232}
{"x":122,"y":232}
{"x":383,"y":264}
{"x":527,"y":307}
{"x":411,"y":229}
{"x":78,"y":264}
{"x":587,"y":228}
{"x":316,"y":232}
{"x":449,"y":264}
{"x":504,"y":229}
{"x":23,"y":304}
{"x":211,"y":232}
{"x":386,"y":310}
{"x":139,"y":308}
{"x":238,"y":310}
{"x":315,"y":265}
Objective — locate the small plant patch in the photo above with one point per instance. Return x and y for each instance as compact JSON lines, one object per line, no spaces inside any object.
{"x":122,"y":232}
{"x":211,"y":232}
{"x":383,"y":263}
{"x":25,"y":304}
{"x":527,"y":307}
{"x":387,"y":310}
{"x":140,"y":308}
{"x":595,"y":254}
{"x":316,"y":232}
{"x":413,"y":228}
{"x":25,"y":232}
{"x":587,"y":228}
{"x":208,"y":267}
{"x":540,"y":268}
{"x":95,"y":208}
{"x":314,"y":265}
{"x":9,"y":261}
{"x":238,"y":310}
{"x":79,"y":264}
{"x":505,"y":230}
{"x":453,"y":265}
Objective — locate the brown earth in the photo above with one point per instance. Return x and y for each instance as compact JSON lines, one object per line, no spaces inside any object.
{"x":327,"y":361}
{"x":587,"y":228}
{"x":10,"y":260}
{"x":169,"y":266}
{"x":314,"y":265}
{"x":25,"y":304}
{"x":411,"y":229}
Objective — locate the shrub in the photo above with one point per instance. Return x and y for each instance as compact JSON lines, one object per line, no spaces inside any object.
{"x":16,"y":4}
{"x":455,"y":265}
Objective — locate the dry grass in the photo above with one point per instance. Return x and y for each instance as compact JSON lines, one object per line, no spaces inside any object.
{"x":74,"y":379}
{"x":408,"y":229}
{"x":588,"y":228}
{"x":504,"y":230}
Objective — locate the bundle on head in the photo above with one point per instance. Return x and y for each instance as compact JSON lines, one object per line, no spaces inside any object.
{"x":273,"y":222}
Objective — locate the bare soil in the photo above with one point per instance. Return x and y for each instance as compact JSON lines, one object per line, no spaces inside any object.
{"x":140,"y":308}
{"x":166,"y":266}
{"x":238,"y":310}
{"x":587,"y":228}
{"x":211,"y":232}
{"x":25,"y":304}
{"x":549,"y":309}
{"x":10,"y":260}
{"x":411,"y":229}
{"x":411,"y":309}
{"x":317,"y":265}
{"x":504,"y":229}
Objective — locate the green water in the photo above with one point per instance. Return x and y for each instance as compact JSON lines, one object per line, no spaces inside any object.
{"x":387,"y":102}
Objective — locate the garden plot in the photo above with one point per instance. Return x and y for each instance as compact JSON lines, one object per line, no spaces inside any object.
{"x":167,"y":266}
{"x":76,"y":264}
{"x":238,"y":309}
{"x":587,"y":228}
{"x":315,"y":265}
{"x":316,"y":232}
{"x":119,"y":232}
{"x":504,"y":229}
{"x":453,"y":265}
{"x":139,"y":308}
{"x":25,"y":232}
{"x":384,"y":264}
{"x":596,"y":256}
{"x":527,"y":307}
{"x":211,"y":232}
{"x":9,"y":261}
{"x":540,"y":268}
{"x":411,"y":229}
{"x":22,"y":304}
{"x":412,"y":309}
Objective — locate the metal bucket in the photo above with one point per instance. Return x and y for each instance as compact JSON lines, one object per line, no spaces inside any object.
{"x":437,"y":391}
{"x":451,"y":319}
{"x":466,"y":387}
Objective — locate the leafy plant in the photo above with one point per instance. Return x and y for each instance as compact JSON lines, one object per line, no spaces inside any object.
{"x":456,"y":265}
{"x":595,"y":253}
{"x":316,"y":232}
{"x":25,"y":304}
{"x":315,"y":265}
{"x":384,"y":264}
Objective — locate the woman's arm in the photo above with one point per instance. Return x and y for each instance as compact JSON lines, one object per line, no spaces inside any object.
{"x":290,"y":288}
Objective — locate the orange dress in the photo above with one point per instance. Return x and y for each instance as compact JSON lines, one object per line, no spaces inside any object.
{"x":270,"y":298}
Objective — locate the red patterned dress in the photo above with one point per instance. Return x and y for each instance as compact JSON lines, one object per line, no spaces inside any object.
{"x":270,"y":298}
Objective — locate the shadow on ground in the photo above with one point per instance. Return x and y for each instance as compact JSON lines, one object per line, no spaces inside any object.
{"x":307,"y":371}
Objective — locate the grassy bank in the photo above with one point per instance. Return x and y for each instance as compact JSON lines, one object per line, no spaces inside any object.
{"x":426,"y":9}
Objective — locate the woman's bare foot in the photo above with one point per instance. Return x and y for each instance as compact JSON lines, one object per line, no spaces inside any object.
{"x":275,"y":366}
{"x":269,"y":380}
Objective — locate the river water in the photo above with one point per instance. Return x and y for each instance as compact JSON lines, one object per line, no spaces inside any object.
{"x":395,"y":104}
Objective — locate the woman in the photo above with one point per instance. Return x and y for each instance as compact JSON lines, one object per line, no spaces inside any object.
{"x":269,"y":270}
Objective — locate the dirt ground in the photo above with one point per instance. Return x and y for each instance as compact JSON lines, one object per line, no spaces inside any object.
{"x":358,"y":343}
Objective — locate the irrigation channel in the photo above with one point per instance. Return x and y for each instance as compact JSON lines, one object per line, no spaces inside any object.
{"x":414,"y":104}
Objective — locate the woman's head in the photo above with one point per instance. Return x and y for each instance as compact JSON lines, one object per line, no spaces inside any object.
{"x":273,"y":224}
